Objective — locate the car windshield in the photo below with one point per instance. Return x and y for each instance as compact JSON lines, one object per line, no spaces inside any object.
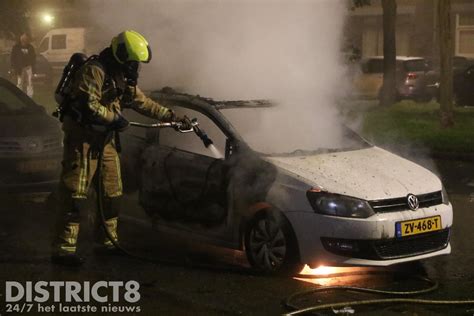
{"x":11,"y":102}
{"x":266,"y":132}
{"x":415,"y":65}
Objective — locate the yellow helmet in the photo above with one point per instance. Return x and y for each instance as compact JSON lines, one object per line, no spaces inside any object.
{"x":130,"y":46}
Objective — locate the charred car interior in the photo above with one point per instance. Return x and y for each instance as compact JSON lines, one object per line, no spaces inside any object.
{"x":183,"y":181}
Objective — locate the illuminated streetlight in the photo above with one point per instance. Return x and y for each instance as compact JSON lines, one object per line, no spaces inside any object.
{"x":47,"y":18}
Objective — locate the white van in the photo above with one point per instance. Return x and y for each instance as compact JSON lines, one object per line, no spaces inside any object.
{"x":58,"y":45}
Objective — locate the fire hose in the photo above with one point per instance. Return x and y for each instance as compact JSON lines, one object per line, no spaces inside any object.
{"x":432,"y":286}
{"x":289,"y":303}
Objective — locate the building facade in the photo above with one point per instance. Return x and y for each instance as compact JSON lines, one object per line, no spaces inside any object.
{"x":417,"y":33}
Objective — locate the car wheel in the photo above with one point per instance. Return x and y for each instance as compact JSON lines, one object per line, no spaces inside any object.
{"x":271,"y":245}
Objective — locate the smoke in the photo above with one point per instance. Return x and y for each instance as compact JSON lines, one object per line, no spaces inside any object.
{"x":286,"y":51}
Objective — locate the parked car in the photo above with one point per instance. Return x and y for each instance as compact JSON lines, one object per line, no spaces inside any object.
{"x":30,"y":143}
{"x":353,"y":204}
{"x":460,"y":64}
{"x":43,"y":73}
{"x":463,"y":80}
{"x":463,"y":87}
{"x":415,"y":79}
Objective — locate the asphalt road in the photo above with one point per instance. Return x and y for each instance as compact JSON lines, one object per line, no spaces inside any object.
{"x":226,"y":287}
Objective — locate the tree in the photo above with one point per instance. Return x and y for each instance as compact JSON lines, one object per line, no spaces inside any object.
{"x":446,"y":63}
{"x":388,"y":93}
{"x":389,"y":88}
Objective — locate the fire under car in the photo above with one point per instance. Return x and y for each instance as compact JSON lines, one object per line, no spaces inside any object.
{"x":353,"y":205}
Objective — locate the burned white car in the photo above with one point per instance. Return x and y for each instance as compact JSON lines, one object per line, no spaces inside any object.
{"x":358,"y":205}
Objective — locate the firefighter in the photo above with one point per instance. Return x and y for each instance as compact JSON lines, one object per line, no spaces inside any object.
{"x":100,"y":89}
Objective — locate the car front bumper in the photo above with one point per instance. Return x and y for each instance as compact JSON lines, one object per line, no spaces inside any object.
{"x":369,"y":236}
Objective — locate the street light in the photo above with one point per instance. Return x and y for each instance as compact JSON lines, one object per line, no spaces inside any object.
{"x":47,"y":18}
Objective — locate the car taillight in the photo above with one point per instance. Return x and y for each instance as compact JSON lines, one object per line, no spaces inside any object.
{"x":411,"y":76}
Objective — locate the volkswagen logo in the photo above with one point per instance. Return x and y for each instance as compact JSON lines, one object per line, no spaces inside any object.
{"x":413,"y":202}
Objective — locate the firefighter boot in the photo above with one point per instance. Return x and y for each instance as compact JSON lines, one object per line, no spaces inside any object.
{"x":65,"y":246}
{"x":107,"y":247}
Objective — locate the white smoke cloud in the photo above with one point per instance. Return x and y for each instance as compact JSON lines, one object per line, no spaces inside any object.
{"x":288,"y":51}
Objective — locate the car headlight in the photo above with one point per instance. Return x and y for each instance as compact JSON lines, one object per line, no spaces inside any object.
{"x":444,"y":195}
{"x":338,"y":205}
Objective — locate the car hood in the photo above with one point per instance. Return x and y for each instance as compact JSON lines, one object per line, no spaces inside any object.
{"x":31,"y":124}
{"x":369,"y":174}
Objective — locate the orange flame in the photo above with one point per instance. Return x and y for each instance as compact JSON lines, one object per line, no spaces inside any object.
{"x":321,"y":270}
{"x":326,"y":275}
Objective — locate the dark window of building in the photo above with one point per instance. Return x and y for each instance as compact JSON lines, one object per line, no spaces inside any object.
{"x":466,"y":42}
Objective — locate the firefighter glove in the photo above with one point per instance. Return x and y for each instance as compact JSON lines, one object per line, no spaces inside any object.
{"x":185,"y":122}
{"x":120,"y":123}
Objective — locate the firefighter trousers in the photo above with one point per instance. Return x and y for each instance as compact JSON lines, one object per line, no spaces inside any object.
{"x":79,"y":173}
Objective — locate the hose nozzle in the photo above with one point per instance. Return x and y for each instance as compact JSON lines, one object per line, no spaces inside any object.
{"x":181,"y":127}
{"x":200,"y":132}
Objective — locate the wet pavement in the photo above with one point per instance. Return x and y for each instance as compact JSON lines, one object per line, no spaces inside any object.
{"x":214,"y":281}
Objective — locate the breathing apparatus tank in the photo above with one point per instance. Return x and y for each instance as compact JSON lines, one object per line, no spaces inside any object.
{"x":63,"y":88}
{"x":64,"y":85}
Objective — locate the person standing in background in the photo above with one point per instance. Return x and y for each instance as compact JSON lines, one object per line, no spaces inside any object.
{"x":23,"y":60}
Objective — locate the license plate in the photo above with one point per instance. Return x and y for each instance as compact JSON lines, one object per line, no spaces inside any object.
{"x":418,"y":226}
{"x":37,"y":165}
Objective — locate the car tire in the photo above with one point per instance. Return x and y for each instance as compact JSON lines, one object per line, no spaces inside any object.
{"x":270,"y":244}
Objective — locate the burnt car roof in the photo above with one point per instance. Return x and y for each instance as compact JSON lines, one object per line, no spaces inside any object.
{"x":172,"y":95}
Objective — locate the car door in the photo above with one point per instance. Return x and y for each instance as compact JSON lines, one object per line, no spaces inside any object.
{"x":182,"y":180}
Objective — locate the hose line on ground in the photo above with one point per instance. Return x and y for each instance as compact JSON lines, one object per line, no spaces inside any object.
{"x":290,"y":304}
